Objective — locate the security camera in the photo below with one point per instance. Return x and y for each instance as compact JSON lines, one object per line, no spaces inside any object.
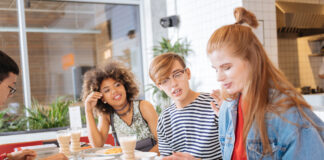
{"x":171,"y":21}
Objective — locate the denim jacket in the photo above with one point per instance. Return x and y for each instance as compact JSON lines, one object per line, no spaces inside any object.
{"x":287,"y":140}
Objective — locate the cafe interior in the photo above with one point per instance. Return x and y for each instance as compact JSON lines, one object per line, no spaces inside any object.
{"x":55,"y":42}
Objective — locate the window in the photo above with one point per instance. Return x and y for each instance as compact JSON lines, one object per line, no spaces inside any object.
{"x":9,"y":43}
{"x":65,"y":39}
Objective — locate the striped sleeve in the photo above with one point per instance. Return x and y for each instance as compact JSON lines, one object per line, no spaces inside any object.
{"x":164,"y":146}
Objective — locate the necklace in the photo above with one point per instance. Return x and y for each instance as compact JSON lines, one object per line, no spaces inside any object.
{"x":122,"y":107}
{"x":124,"y":114}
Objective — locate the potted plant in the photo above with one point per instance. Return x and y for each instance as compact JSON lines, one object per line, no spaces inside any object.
{"x":10,"y":123}
{"x":52,"y":116}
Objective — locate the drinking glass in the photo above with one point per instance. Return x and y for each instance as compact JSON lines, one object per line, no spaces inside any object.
{"x":128,"y":143}
{"x":75,"y":140}
{"x":63,"y":138}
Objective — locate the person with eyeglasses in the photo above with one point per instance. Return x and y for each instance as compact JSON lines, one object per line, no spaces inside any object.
{"x":8,"y":77}
{"x":188,"y":128}
{"x":9,"y":72}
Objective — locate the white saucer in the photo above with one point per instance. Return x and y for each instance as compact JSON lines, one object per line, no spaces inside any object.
{"x":139,"y":155}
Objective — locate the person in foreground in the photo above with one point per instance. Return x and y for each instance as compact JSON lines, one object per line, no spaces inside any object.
{"x":9,"y":72}
{"x":111,"y":90}
{"x":262,"y":116}
{"x":188,"y":128}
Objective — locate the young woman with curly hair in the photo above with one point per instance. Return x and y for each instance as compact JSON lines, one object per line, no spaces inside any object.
{"x":111,"y":90}
{"x":262,"y":116}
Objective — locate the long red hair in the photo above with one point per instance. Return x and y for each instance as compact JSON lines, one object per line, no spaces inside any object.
{"x":264,"y":76}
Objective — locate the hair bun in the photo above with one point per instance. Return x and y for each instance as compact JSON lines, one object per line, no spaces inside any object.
{"x":244,"y":16}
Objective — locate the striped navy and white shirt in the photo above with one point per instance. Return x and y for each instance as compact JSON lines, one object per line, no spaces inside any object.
{"x":193,"y":129}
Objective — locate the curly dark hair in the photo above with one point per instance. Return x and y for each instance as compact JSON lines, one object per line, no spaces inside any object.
{"x":112,"y":69}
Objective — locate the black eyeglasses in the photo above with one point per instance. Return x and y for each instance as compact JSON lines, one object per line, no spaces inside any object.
{"x":12,"y":90}
{"x":178,"y":75}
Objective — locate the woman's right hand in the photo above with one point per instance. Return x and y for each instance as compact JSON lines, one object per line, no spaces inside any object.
{"x":91,"y":101}
{"x":216,"y":94}
{"x":25,"y":154}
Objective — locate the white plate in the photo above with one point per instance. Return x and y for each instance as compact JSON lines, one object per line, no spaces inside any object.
{"x":139,"y":155}
{"x":101,"y":158}
{"x":100,"y":152}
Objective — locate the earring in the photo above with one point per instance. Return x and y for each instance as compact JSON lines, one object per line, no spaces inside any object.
{"x":104,"y":102}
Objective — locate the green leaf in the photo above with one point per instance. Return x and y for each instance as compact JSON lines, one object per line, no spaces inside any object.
{"x":52,"y":116}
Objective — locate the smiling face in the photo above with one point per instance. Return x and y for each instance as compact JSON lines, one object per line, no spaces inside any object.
{"x":232,"y":71}
{"x":5,"y":85}
{"x":114,"y":93}
{"x":176,"y":86}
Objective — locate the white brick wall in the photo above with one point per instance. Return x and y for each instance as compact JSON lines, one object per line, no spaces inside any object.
{"x":199,"y":19}
{"x":265,"y":11}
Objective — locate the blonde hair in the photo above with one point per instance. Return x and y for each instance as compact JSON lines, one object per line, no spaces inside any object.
{"x":263,"y":76}
{"x":161,"y":66}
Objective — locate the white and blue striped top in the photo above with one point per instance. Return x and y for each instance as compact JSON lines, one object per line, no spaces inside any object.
{"x":193,"y":129}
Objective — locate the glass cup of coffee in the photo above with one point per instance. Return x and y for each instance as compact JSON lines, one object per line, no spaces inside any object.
{"x":63,"y":138}
{"x":75,"y":140}
{"x":128,"y":143}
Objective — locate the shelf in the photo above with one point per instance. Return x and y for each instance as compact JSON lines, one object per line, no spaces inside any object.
{"x":316,"y":55}
{"x":317,"y":38}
